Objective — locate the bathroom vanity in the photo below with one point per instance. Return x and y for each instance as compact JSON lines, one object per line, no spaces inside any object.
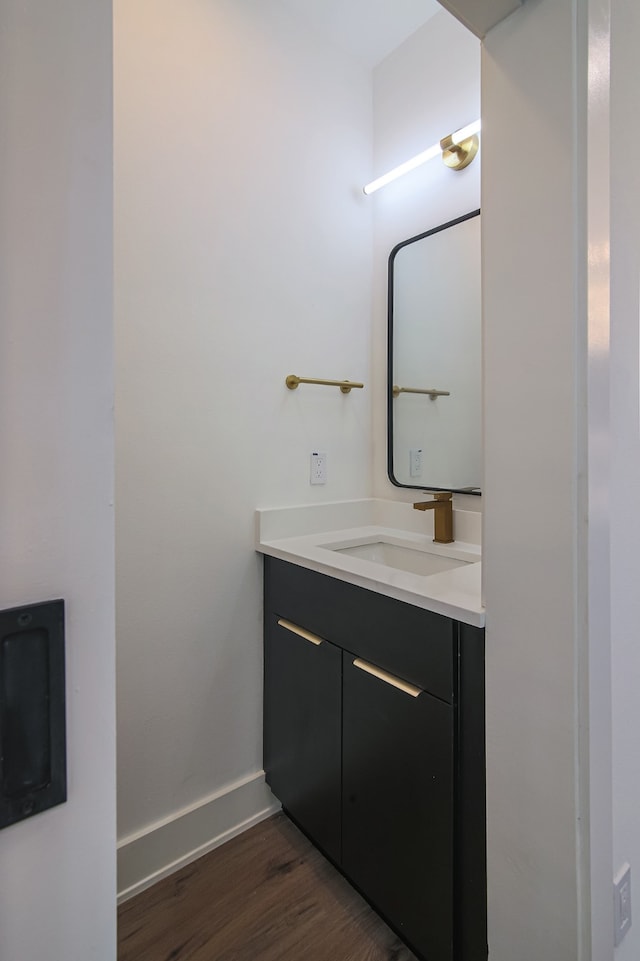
{"x":374,"y":727}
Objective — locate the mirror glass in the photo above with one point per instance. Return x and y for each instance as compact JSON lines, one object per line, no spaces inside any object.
{"x":434,"y":389}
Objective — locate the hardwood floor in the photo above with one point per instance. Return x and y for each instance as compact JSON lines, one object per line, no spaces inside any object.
{"x":267,"y":895}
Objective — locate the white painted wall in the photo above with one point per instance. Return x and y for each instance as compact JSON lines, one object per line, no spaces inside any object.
{"x":366,"y":29}
{"x":481,"y":15}
{"x":243,"y":254}
{"x":427,"y":88}
{"x":625,"y":522}
{"x":593,"y":650}
{"x":530,"y":319}
{"x":545,"y":548}
{"x":57,"y":880}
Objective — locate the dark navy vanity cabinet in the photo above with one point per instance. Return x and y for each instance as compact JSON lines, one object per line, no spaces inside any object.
{"x":374,"y":744}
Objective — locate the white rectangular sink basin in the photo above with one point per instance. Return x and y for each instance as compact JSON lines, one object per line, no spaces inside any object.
{"x":415,"y":561}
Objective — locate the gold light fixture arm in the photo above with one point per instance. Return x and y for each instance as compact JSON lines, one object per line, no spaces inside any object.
{"x":431,"y":391}
{"x":458,"y":155}
{"x":345,"y":386}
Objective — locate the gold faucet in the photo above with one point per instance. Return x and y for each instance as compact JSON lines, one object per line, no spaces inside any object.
{"x":442,"y":505}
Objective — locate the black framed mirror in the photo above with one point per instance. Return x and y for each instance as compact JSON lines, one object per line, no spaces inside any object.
{"x":434,"y":390}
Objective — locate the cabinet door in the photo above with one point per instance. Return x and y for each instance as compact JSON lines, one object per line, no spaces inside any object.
{"x":397,"y":831}
{"x":302,"y":729}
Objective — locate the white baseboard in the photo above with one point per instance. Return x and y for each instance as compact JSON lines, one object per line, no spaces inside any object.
{"x":168,"y":845}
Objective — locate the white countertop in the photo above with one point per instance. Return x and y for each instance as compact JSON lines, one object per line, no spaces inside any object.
{"x":302,"y":536}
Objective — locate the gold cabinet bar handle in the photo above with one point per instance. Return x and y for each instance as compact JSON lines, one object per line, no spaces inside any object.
{"x":300,"y":631}
{"x":431,"y":391}
{"x":345,"y":386}
{"x":387,"y":678}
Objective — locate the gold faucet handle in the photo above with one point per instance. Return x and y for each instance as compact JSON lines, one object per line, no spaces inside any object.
{"x":439,"y":497}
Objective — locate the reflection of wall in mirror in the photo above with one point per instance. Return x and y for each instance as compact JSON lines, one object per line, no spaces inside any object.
{"x":437,"y":343}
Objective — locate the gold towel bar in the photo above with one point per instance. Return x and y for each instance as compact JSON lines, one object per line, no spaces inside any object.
{"x":345,"y":385}
{"x":431,"y":391}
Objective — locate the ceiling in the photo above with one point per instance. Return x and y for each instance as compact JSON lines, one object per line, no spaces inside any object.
{"x":368,"y":29}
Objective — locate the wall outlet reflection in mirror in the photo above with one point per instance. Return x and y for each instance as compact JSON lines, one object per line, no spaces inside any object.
{"x":415,"y":462}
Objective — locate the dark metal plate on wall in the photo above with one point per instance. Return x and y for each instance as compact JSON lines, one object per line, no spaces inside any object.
{"x":33,"y":773}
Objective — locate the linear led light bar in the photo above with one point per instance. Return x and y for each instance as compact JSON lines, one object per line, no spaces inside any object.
{"x":457,"y":143}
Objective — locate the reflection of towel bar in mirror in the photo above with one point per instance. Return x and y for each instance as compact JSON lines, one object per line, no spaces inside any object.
{"x":345,"y":385}
{"x":431,"y":391}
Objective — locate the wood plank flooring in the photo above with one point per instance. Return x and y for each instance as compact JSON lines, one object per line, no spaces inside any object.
{"x":266,"y":895}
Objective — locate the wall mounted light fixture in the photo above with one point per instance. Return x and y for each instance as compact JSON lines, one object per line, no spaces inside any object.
{"x":457,"y":151}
